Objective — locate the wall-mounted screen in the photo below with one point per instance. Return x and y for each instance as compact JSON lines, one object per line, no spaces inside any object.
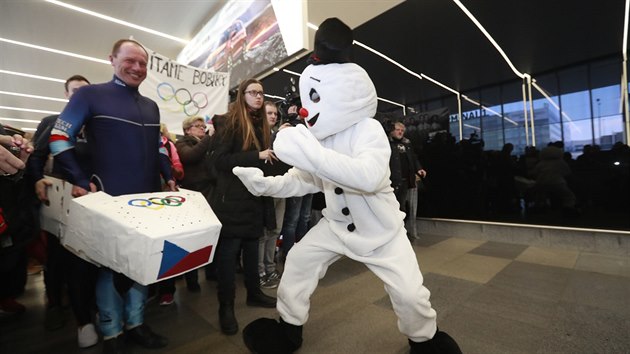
{"x":246,"y":38}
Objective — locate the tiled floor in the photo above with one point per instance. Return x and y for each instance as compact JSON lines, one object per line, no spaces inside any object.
{"x":492,"y":297}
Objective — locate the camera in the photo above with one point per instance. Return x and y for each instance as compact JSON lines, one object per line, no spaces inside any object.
{"x":291,"y":98}
{"x":15,"y":151}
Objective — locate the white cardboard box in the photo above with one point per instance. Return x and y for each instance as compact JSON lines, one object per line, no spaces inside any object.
{"x":148,"y":237}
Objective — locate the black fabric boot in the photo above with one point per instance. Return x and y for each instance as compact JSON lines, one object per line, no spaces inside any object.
{"x":441,"y":343}
{"x":268,"y":336}
{"x":259,"y":299}
{"x":144,"y":336}
{"x":114,"y":345}
{"x":227,"y":319}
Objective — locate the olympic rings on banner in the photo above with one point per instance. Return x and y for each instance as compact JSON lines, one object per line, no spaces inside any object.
{"x":156,"y":203}
{"x":191,"y":103}
{"x":161,"y":92}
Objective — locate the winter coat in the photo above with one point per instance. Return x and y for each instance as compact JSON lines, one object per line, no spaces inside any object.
{"x":193,"y":154}
{"x":240,"y":212}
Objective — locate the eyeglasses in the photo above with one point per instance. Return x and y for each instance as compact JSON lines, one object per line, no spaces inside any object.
{"x":255,"y":93}
{"x":202,"y":126}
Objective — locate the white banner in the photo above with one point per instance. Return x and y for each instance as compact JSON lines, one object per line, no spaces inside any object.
{"x":183,"y":91}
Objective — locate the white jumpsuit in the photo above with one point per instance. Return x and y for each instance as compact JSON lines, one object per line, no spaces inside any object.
{"x":350,"y":164}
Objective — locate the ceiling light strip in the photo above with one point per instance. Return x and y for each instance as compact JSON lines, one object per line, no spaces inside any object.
{"x":20,"y":120}
{"x":115,"y":20}
{"x":392,"y":102}
{"x":624,"y":75}
{"x":291,"y":72}
{"x":387,"y":58}
{"x":28,"y":110}
{"x":56,"y":51}
{"x":483,"y":30}
{"x":472,"y":126}
{"x":31,"y":76}
{"x":625,"y":31}
{"x":33,"y":96}
{"x":424,"y":76}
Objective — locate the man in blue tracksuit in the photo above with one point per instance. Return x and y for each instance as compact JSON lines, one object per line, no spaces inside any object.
{"x":123,"y":133}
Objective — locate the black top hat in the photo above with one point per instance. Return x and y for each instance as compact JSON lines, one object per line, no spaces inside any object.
{"x":333,"y":43}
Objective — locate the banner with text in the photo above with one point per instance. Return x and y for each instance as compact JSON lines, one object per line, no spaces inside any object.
{"x":183,"y":91}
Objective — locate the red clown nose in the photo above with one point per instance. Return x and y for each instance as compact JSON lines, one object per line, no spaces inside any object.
{"x":303,"y":112}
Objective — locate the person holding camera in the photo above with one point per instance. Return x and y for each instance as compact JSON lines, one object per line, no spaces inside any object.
{"x":15,"y":221}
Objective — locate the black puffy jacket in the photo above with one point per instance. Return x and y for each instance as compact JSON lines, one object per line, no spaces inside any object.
{"x":240,"y":212}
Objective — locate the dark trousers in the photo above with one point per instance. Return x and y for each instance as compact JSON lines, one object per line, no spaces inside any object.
{"x":12,"y":272}
{"x":55,"y":270}
{"x":64,"y":268}
{"x":401,"y":195}
{"x":228,"y":250}
{"x":168,"y":286}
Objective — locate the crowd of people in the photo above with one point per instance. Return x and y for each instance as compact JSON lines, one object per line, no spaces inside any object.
{"x":108,"y":129}
{"x":469,"y":182}
{"x":77,"y":146}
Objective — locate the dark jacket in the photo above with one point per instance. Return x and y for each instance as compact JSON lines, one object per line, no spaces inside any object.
{"x":396,"y":164}
{"x":16,"y":218}
{"x":193,"y":153}
{"x":240,"y":212}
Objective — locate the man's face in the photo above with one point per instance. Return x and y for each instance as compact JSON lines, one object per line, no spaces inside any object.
{"x":272,"y":114}
{"x":398,"y":132}
{"x":130,"y":64}
{"x":73,"y":86}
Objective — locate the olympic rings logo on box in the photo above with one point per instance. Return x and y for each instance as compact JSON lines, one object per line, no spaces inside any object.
{"x":191,"y":103}
{"x":157,"y":203}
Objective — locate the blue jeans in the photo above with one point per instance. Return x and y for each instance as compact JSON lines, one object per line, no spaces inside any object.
{"x":297,"y":215}
{"x":116,"y":310}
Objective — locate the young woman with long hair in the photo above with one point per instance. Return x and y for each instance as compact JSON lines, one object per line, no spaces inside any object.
{"x":242,"y":139}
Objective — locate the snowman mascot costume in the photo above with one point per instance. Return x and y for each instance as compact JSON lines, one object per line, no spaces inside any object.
{"x":343,"y":152}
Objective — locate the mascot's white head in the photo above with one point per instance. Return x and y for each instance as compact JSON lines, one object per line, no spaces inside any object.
{"x":335,"y":93}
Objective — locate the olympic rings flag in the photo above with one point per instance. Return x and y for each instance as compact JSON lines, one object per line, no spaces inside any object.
{"x":183,"y":91}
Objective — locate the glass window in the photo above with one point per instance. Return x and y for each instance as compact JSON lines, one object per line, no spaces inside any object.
{"x":514,"y":126}
{"x":575,"y":106}
{"x":492,"y":118}
{"x":471,"y":114}
{"x":573,"y":80}
{"x":577,"y":133}
{"x":607,"y":117}
{"x":605,"y":73}
{"x":451,"y":103}
{"x":606,"y":101}
{"x":435,"y":104}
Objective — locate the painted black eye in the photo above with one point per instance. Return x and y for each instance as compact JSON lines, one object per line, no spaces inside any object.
{"x":314,"y":95}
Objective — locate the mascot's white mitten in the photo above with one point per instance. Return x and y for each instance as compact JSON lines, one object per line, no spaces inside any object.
{"x":298,"y":147}
{"x":253,"y":179}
